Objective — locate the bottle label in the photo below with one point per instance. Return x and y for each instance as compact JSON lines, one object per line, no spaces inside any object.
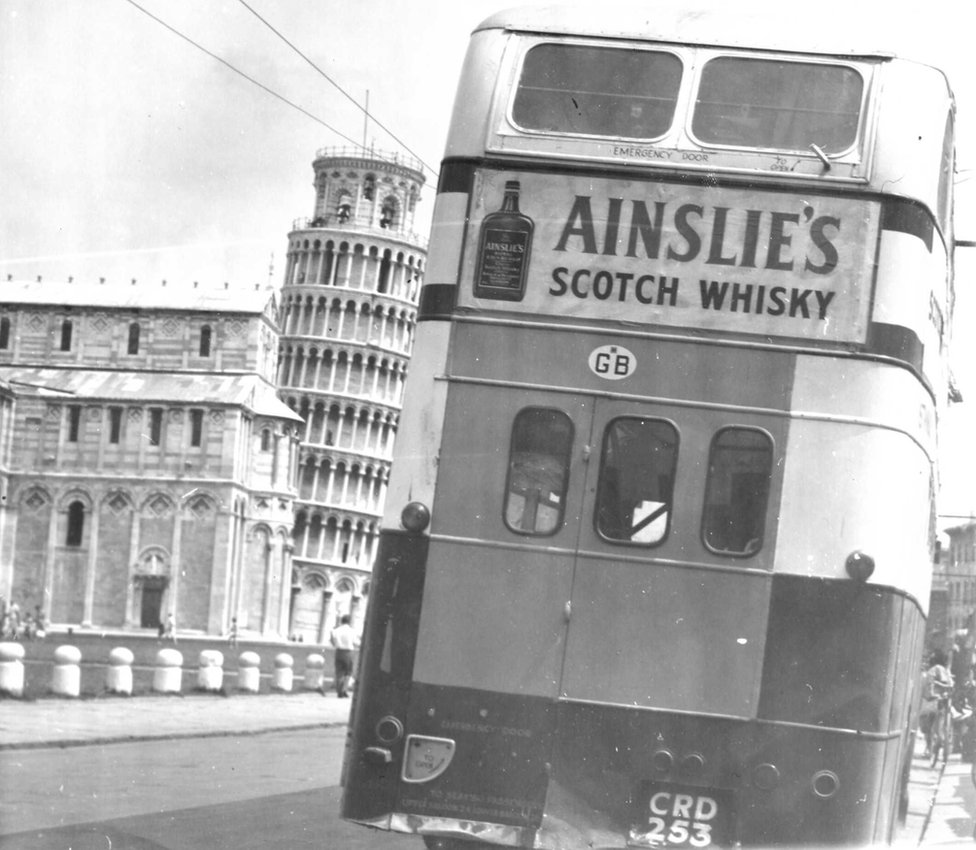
{"x":504,"y":261}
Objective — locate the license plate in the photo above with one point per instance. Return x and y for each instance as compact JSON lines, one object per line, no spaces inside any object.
{"x":668,"y":815}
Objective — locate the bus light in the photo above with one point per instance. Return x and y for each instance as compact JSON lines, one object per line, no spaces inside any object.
{"x":859,"y":566}
{"x":415,"y":517}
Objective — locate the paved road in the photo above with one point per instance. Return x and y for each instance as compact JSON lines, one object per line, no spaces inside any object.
{"x":55,"y":756}
{"x":263,"y":791}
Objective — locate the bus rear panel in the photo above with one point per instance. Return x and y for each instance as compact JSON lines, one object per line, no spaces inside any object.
{"x":655,"y":561}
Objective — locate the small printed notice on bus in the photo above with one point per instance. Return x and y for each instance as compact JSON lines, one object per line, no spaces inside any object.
{"x":699,"y":256}
{"x":681,"y":816}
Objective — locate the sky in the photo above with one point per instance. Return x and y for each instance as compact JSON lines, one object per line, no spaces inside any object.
{"x":126,"y":152}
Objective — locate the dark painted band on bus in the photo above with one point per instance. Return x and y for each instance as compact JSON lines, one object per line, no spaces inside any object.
{"x":906,"y":216}
{"x":456,"y":176}
{"x":437,"y":302}
{"x":901,"y":215}
{"x":896,"y":342}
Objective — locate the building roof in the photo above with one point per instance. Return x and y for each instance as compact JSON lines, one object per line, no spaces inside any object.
{"x":108,"y":386}
{"x":862,"y":32}
{"x":143,"y":296}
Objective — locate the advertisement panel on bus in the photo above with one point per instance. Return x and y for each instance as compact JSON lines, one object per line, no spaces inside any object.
{"x":728,"y":259}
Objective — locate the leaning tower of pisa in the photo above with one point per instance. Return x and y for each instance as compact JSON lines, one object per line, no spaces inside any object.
{"x":349,"y":302}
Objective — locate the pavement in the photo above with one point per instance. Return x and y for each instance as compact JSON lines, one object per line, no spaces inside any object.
{"x":65,"y":722}
{"x":942,"y":804}
{"x":942,"y":799}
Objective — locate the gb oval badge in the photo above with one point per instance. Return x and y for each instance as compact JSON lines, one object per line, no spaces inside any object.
{"x":612,"y":362}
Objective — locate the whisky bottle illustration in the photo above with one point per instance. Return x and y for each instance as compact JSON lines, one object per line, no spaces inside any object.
{"x":504,"y":250}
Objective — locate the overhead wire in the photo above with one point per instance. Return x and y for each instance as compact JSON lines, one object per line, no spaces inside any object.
{"x":341,"y":90}
{"x":246,"y":76}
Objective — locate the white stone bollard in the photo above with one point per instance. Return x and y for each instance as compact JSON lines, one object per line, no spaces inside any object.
{"x":168,"y":675}
{"x":210,"y":675}
{"x":118,"y":676}
{"x":249,"y":672}
{"x":314,"y":672}
{"x":12,"y":669}
{"x":66,"y":675}
{"x":283,"y":674}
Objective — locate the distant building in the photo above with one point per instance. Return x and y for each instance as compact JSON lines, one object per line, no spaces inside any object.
{"x":147,"y":464}
{"x":349,"y":301}
{"x":6,"y":455}
{"x":957,"y":573}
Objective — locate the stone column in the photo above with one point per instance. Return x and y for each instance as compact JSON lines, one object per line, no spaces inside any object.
{"x":130,"y":592}
{"x":90,"y":567}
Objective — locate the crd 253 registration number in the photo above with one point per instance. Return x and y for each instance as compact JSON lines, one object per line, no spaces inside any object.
{"x":681,"y":816}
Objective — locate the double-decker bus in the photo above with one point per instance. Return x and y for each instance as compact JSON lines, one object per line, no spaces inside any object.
{"x":655,"y":562}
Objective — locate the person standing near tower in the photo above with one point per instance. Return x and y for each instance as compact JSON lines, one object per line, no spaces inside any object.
{"x":344,"y":641}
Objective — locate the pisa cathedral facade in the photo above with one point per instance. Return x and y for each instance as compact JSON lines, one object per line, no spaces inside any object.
{"x":214,"y":454}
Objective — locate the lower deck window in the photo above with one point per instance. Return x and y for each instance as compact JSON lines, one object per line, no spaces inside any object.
{"x":634,"y":493}
{"x":538,"y":471}
{"x":740,"y":467}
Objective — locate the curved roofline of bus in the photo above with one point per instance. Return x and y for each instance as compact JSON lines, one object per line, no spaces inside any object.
{"x":724,"y":28}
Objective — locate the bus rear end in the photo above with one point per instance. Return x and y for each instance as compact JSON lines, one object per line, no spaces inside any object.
{"x":656,"y":554}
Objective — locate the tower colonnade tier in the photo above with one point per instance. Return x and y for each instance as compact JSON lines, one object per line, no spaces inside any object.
{"x":348,"y":313}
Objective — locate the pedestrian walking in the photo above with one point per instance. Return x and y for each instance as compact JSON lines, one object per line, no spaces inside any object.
{"x":169,"y":629}
{"x":40,"y":624}
{"x":345,"y":642}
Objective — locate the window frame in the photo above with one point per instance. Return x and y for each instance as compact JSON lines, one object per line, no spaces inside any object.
{"x":74,"y":423}
{"x":206,"y":341}
{"x":566,"y":470}
{"x":706,"y":58}
{"x":116,"y":416}
{"x":135,"y":333}
{"x":746,"y":552}
{"x":677,"y":147}
{"x":67,"y":334}
{"x":600,"y":482}
{"x":155,"y":427}
{"x":74,"y":535}
{"x":196,"y":427}
{"x":684,"y":71}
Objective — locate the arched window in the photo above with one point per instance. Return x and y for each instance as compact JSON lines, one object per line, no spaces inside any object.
{"x":76,"y":524}
{"x":344,"y":206}
{"x":383,"y":284}
{"x":4,"y":332}
{"x":205,"y":337}
{"x":369,"y":187}
{"x":134,"y":330}
{"x":388,"y":212}
{"x":66,"y":329}
{"x":266,"y":440}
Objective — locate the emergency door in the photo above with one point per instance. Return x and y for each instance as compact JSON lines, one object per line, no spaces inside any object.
{"x":654,"y":618}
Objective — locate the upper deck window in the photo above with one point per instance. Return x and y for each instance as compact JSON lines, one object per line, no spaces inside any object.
{"x":597,"y":91}
{"x":778,"y":105}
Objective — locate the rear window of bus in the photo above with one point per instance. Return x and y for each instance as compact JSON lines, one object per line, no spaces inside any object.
{"x":597,"y":91}
{"x":778,"y":105}
{"x":538,"y":471}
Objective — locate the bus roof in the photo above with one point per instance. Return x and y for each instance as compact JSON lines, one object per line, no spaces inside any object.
{"x":726,"y":27}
